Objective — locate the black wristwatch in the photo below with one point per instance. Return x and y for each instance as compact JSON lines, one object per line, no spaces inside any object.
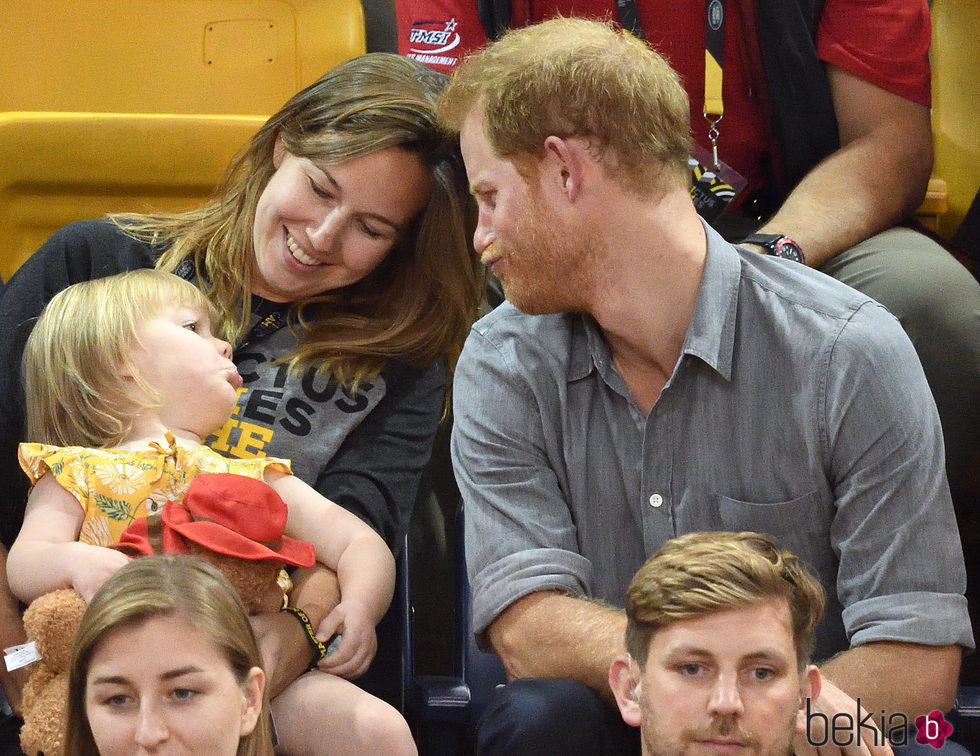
{"x":780,"y":246}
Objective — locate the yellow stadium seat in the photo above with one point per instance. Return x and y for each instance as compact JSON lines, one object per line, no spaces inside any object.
{"x":137,"y":105}
{"x":59,"y":167}
{"x":955,"y":108}
{"x":170,"y":56}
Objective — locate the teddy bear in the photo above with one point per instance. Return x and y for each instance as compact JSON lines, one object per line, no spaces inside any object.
{"x":233,"y":521}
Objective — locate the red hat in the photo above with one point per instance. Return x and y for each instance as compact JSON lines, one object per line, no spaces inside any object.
{"x":229,"y":514}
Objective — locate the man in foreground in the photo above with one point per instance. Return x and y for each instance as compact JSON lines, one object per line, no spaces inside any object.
{"x":719,"y":631}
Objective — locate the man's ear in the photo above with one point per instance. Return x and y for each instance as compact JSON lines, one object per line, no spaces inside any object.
{"x":568,"y":159}
{"x":810,"y":684}
{"x":624,"y":682}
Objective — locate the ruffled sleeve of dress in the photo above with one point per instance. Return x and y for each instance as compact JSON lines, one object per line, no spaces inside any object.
{"x":263,"y":464}
{"x":112,"y":486}
{"x":64,"y":462}
{"x":205,"y":460}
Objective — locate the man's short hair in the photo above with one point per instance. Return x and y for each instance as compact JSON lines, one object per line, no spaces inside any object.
{"x":701,"y":573}
{"x":575,"y":77}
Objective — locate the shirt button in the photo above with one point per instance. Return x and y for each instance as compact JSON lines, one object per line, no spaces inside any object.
{"x":656,"y":500}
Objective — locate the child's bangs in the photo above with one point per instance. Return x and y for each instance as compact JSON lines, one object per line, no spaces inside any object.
{"x":152,"y":291}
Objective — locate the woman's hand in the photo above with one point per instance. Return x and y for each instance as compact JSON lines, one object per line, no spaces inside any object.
{"x":284,"y":648}
{"x":283,"y":642}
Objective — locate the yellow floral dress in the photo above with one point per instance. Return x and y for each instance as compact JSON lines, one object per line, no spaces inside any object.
{"x":115,"y":486}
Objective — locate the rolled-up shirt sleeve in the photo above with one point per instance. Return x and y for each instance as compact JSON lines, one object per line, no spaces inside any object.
{"x":885,"y":42}
{"x":901,"y":575}
{"x":520,"y":536}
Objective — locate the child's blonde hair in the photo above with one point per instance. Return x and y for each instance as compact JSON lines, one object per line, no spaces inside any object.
{"x":79,"y":349}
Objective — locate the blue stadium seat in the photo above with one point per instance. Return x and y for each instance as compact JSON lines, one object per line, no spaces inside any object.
{"x":965,"y":718}
{"x":444,"y":709}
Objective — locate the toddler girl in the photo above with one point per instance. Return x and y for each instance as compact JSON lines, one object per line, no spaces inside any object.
{"x":124,"y":381}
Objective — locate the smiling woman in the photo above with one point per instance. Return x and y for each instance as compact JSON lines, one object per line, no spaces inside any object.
{"x":323,"y":228}
{"x":133,"y":689}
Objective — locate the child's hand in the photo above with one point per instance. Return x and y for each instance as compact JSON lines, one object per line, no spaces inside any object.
{"x":92,"y":565}
{"x":359,"y":643}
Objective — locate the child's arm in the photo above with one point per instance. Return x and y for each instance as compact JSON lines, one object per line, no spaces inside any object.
{"x":364,"y":565}
{"x":46,"y":556}
{"x":315,"y":590}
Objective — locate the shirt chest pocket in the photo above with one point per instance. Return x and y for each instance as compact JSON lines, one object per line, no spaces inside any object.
{"x":801,"y":525}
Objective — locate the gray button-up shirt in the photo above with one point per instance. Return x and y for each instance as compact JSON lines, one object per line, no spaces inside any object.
{"x":798,"y":408}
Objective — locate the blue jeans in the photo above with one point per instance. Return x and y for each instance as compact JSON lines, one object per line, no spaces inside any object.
{"x":538,"y":717}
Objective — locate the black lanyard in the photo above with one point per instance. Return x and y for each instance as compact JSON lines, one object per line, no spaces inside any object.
{"x":271,"y":319}
{"x":629,"y":17}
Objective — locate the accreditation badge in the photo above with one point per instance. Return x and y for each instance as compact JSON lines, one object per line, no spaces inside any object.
{"x":713,"y":186}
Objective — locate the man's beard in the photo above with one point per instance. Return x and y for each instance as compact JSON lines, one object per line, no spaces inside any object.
{"x":659,"y":740}
{"x":546,"y":269}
